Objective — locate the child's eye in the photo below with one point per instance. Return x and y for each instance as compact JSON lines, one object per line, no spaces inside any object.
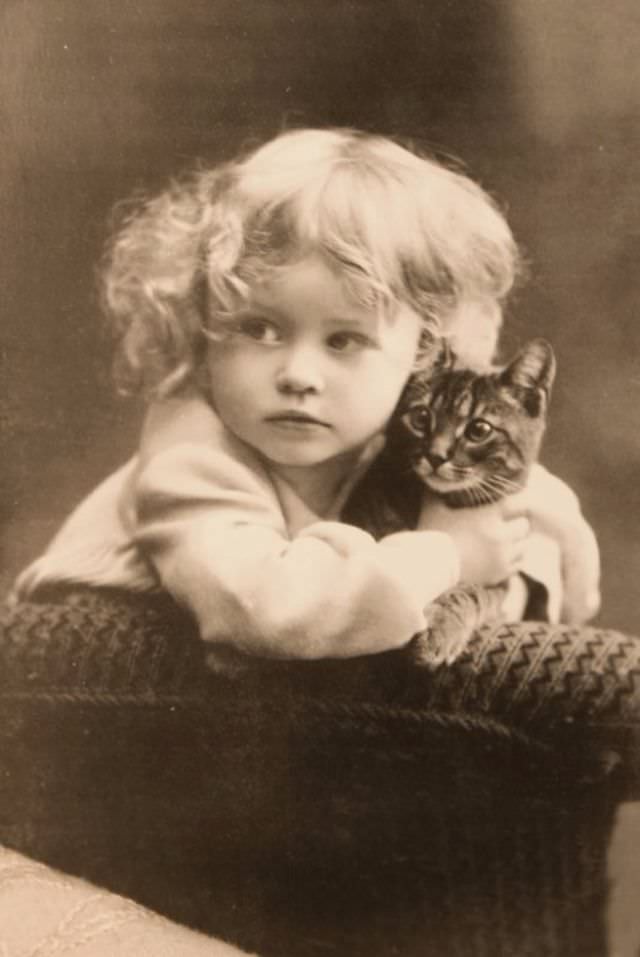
{"x":419,"y":419}
{"x":347,"y":341}
{"x":478,"y":430}
{"x":259,"y":329}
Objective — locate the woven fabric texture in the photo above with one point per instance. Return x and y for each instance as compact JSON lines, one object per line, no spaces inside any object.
{"x":364,"y":807}
{"x":529,"y":675}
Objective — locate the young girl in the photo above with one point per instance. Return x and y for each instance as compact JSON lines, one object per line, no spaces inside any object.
{"x":273,"y":309}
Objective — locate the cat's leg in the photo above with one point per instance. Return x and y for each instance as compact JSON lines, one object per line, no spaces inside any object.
{"x":452,"y":620}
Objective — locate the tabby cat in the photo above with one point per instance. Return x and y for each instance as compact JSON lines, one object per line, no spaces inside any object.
{"x":470,"y":437}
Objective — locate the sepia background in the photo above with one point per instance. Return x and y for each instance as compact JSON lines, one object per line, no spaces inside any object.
{"x":539,"y":98}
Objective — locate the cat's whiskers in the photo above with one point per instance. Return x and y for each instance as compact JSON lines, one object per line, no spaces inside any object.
{"x":448,"y":478}
{"x":472,"y":494}
{"x":493,"y":487}
{"x":481,"y":494}
{"x":460,"y":471}
{"x":486,"y":495}
{"x":500,"y":483}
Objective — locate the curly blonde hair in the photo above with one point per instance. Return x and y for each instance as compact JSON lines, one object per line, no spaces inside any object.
{"x":395,"y":225}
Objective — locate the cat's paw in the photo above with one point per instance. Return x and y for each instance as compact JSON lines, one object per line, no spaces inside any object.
{"x":443,"y":640}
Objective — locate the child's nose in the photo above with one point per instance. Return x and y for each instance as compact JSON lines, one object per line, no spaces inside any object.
{"x":300,"y":372}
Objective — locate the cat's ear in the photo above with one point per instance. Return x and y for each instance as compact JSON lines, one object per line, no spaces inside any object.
{"x":533,"y":371}
{"x":534,"y":367}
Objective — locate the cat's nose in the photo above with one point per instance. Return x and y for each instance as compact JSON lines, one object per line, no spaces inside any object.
{"x":435,"y":460}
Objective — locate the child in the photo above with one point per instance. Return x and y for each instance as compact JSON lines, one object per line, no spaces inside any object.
{"x":273,"y":309}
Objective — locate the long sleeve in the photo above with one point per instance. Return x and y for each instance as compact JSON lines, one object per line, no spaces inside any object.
{"x":211,"y":526}
{"x":197,"y":513}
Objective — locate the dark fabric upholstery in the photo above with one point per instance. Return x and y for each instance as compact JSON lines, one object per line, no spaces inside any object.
{"x":356,"y":807}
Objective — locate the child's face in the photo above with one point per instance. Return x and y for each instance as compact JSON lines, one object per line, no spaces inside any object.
{"x":308,"y":374}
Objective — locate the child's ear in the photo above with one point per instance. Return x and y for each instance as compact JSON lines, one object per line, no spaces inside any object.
{"x":534,"y":367}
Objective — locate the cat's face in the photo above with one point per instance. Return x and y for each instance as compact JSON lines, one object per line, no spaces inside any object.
{"x":471,"y":437}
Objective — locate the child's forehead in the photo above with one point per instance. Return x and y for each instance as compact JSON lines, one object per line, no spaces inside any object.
{"x":314,"y":281}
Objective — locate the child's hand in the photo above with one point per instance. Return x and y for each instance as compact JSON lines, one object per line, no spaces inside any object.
{"x":490,"y":539}
{"x":554,"y":510}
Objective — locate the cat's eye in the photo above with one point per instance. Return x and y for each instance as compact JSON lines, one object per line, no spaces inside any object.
{"x":478,"y":430}
{"x":418,"y":418}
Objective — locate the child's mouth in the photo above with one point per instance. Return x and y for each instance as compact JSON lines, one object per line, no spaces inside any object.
{"x":296,"y":420}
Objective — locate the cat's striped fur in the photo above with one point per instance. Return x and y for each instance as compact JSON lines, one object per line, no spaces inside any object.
{"x":470,"y":437}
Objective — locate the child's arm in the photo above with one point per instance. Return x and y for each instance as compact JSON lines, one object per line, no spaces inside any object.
{"x":554,"y":511}
{"x":214,"y":532}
